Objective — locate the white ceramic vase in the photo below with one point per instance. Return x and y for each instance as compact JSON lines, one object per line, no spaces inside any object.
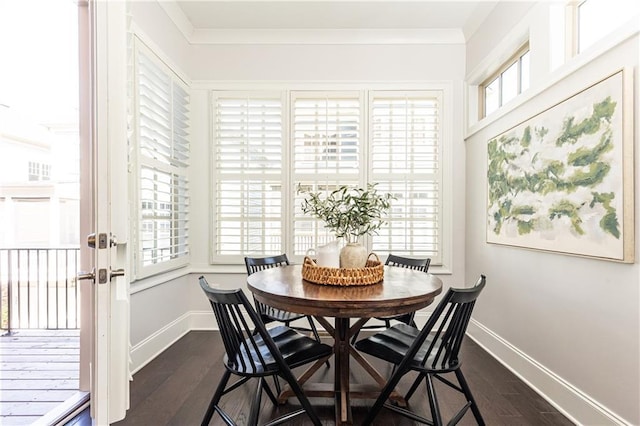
{"x":353,"y":255}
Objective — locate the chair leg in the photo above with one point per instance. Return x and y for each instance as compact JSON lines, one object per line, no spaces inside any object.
{"x":412,"y":320}
{"x":304,"y":401}
{"x":255,"y":404}
{"x":354,"y":338}
{"x":414,"y":387}
{"x":467,"y":393}
{"x":433,"y":401}
{"x":269,"y":392}
{"x":216,"y":397}
{"x":314,"y":330}
{"x":393,"y":369}
{"x":382,"y":398}
{"x":276,"y":382}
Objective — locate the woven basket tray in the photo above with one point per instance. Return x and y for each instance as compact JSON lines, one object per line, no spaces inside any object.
{"x":372,"y":273}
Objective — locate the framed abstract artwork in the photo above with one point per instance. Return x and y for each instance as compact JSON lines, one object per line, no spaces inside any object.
{"x":562,"y":180}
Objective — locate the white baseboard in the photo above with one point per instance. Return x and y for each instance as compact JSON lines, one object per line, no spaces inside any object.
{"x":145,"y":351}
{"x":202,"y":320}
{"x":579,"y":407}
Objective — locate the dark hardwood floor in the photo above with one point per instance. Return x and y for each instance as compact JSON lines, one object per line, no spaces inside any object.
{"x":175,"y":389}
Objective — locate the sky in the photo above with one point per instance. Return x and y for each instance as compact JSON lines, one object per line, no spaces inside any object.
{"x":38,"y":59}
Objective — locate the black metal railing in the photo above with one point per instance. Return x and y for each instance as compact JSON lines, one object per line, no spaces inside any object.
{"x":39,"y":289}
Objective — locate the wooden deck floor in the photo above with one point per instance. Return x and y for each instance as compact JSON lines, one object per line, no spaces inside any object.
{"x":38,"y":372}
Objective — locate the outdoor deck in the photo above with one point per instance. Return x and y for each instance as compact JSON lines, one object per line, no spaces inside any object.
{"x":38,"y":371}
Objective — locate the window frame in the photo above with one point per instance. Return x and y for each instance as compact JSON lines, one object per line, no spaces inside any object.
{"x":323,"y":237}
{"x":573,"y":24}
{"x":516,"y":58}
{"x":139,"y":161}
{"x":445,"y":135}
{"x":214,"y":172}
{"x":428,"y":175}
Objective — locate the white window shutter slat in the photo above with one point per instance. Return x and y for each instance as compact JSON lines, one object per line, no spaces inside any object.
{"x":163,"y":157}
{"x":248,"y":148}
{"x":405,"y":147}
{"x":327,"y":146}
{"x":327,"y":134}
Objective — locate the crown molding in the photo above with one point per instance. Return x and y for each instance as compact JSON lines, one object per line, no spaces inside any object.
{"x":304,"y":36}
{"x":175,"y":13}
{"x":327,"y":36}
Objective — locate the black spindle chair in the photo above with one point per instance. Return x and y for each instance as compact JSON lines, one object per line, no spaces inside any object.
{"x":268,"y":313}
{"x":432,"y":352}
{"x":401,"y":262}
{"x":252,"y":351}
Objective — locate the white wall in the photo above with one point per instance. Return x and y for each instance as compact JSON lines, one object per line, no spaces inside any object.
{"x":153,"y":24}
{"x":567,"y":325}
{"x":491,"y":34}
{"x":350,"y":63}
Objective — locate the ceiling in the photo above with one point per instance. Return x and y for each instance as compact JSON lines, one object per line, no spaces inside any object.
{"x":203,"y":21}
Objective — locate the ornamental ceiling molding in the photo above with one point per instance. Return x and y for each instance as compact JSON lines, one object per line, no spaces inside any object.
{"x":312,"y":36}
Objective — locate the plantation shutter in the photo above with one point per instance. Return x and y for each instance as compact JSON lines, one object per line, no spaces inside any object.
{"x":248,"y":152}
{"x":405,"y":161}
{"x":327,"y":152}
{"x":162,"y":104}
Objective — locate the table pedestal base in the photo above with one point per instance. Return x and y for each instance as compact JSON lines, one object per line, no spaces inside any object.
{"x":341,"y":389}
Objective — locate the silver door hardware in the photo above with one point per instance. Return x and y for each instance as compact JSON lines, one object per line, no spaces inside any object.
{"x":116,"y":273}
{"x":102,"y":276}
{"x":86,"y":276}
{"x":91,"y":240}
{"x":103,"y":240}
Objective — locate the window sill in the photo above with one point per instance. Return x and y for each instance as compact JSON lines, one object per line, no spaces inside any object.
{"x":143,"y":284}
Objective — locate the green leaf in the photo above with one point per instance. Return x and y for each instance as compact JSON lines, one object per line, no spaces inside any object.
{"x":348,"y":212}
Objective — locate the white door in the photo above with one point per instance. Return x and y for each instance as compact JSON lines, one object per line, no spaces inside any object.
{"x":104,"y":206}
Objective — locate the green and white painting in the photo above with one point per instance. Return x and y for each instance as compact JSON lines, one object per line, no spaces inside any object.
{"x":556,"y":180}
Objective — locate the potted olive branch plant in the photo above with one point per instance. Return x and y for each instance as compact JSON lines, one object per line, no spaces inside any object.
{"x":350,"y":213}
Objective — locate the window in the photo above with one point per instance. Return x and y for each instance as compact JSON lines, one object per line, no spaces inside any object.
{"x":162,"y":136}
{"x":510,"y":80}
{"x":405,"y":161}
{"x":248,"y":175}
{"x":326,"y":136}
{"x":39,"y":171}
{"x":598,"y":18}
{"x":335,"y":138}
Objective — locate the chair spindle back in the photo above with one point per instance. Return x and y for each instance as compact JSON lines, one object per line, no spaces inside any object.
{"x":236,"y":332}
{"x":447,"y":326}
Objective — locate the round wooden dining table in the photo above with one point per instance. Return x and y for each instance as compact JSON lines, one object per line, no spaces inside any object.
{"x":401,"y":291}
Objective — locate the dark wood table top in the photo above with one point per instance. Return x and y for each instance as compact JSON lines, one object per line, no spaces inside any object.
{"x":401,"y":291}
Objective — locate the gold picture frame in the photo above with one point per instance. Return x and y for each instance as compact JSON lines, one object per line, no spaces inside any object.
{"x":562,"y":181}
